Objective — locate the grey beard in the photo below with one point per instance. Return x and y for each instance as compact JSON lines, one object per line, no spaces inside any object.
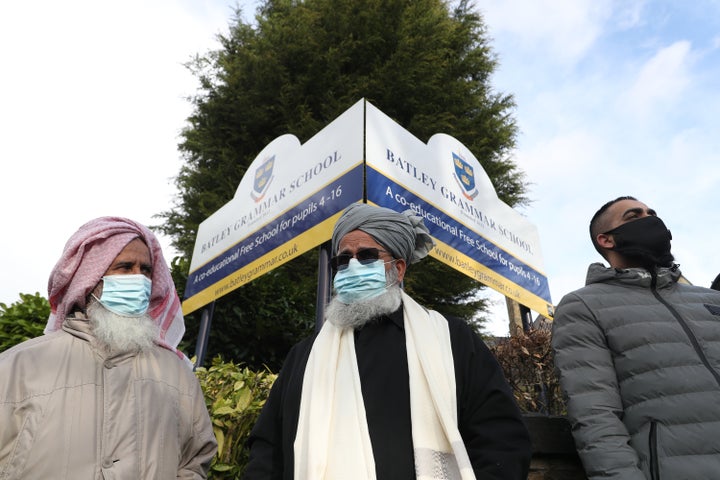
{"x":119,"y":333}
{"x":357,"y":314}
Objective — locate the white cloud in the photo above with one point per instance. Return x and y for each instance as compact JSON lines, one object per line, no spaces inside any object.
{"x":630,"y":14}
{"x":699,"y":150}
{"x":562,"y":29}
{"x":571,"y":153}
{"x":661,"y":80}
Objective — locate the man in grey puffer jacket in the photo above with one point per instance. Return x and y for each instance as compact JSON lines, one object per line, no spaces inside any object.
{"x":638,"y":353}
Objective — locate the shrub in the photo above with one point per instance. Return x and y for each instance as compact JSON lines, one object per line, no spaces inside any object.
{"x":234,"y":396}
{"x":528,"y":364}
{"x":23,"y":320}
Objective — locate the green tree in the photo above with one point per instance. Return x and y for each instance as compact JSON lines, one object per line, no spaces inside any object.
{"x":301,"y":65}
{"x":23,"y":320}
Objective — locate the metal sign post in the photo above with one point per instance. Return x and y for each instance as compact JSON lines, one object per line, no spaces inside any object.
{"x":203,"y":334}
{"x":323,"y":288}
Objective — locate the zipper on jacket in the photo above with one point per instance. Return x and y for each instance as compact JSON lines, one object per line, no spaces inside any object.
{"x":652,"y":448}
{"x":688,"y":332}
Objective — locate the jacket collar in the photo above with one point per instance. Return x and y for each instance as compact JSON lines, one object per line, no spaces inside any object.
{"x":599,"y":273}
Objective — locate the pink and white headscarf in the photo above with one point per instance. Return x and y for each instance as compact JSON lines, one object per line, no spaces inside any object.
{"x":87,"y":256}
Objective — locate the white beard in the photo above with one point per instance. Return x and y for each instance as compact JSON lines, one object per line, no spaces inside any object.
{"x":357,"y":314}
{"x":119,"y":333}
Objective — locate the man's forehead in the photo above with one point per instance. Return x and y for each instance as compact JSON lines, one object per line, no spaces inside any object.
{"x":623,"y":206}
{"x":357,"y":237}
{"x":135,"y":248}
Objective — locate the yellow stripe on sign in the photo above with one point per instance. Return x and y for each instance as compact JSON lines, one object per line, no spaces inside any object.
{"x":313,"y":237}
{"x":476,"y":270}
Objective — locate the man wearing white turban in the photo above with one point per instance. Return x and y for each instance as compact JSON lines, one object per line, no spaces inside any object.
{"x":387,"y":389}
{"x":105,"y":393}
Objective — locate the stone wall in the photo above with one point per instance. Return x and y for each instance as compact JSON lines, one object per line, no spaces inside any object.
{"x":554,"y":454}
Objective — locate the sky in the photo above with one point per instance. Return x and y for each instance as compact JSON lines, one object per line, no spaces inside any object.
{"x":612,"y":98}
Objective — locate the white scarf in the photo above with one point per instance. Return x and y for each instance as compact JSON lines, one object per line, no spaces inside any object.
{"x":332,"y":438}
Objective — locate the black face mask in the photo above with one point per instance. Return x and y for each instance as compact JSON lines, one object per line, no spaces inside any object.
{"x":646,"y":240}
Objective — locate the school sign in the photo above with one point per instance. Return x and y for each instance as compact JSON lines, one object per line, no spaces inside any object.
{"x":292,"y":194}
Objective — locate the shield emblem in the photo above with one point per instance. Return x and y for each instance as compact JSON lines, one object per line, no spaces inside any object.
{"x":263,"y":176}
{"x":464,"y":172}
{"x":465,"y":176}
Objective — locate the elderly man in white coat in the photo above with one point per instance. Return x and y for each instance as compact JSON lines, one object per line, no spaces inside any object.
{"x":105,"y":393}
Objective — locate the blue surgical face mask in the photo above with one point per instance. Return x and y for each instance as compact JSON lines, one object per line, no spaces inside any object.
{"x":360,"y":282}
{"x":127,"y":295}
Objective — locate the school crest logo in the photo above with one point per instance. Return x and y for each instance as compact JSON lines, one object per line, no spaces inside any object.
{"x":263,"y":178}
{"x":464,"y":176}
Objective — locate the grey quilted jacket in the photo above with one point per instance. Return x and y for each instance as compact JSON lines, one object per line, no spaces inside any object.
{"x":639,"y":364}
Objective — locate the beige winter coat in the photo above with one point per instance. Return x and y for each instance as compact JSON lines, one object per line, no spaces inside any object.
{"x":68,"y":411}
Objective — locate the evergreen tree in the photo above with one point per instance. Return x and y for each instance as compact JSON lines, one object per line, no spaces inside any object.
{"x":296,"y":69}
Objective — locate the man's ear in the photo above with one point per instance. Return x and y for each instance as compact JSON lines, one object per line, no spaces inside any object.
{"x":605,"y":241}
{"x":401,"y":268}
